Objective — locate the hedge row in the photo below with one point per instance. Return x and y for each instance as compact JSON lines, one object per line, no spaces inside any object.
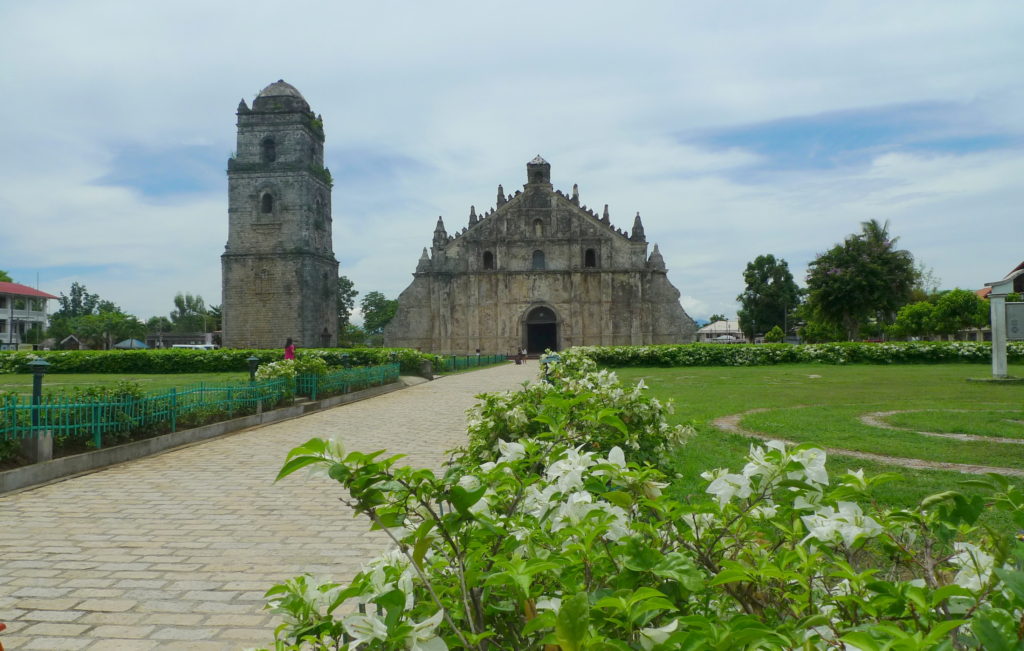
{"x":182,"y":360}
{"x":910,"y":352}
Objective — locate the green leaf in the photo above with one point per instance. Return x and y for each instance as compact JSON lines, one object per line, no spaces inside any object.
{"x":296,"y":464}
{"x":861,"y":640}
{"x":937,"y":497}
{"x":1013,"y":579}
{"x":990,"y":635}
{"x":619,"y":498}
{"x":463,"y":499}
{"x":573,"y":622}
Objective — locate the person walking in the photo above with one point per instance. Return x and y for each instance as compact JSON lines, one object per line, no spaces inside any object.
{"x":289,"y":349}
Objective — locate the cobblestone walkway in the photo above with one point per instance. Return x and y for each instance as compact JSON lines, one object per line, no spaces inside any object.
{"x":175,"y":551}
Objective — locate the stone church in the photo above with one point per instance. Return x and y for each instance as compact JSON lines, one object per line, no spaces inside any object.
{"x":539,"y":271}
{"x":279,"y":273}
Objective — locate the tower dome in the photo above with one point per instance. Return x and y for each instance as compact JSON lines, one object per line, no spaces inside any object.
{"x":280,"y":96}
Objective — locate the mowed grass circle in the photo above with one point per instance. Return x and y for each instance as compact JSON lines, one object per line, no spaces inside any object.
{"x":841,"y":427}
{"x":1000,"y":423}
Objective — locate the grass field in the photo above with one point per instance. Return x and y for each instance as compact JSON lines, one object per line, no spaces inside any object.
{"x":822,"y":404}
{"x":57,"y":382}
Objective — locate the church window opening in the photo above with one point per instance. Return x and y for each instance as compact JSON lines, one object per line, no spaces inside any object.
{"x":263,"y":281}
{"x":538,"y":260}
{"x":488,"y":260}
{"x":538,"y":228}
{"x":267,"y":203}
{"x":590,"y":259}
{"x":268,"y":150}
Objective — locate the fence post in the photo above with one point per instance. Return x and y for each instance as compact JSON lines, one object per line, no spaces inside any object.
{"x":97,"y":426}
{"x":174,"y":409}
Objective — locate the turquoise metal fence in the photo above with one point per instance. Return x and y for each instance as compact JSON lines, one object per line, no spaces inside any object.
{"x":460,"y":362}
{"x":346,"y":380}
{"x":101,"y":419}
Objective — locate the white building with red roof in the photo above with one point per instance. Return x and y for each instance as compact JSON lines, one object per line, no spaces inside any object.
{"x":21,"y":307}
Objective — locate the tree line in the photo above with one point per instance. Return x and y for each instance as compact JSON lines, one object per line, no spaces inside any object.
{"x":100,"y":323}
{"x":862,"y":287}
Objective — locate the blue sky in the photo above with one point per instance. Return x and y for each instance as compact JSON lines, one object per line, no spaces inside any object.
{"x":735,"y":130}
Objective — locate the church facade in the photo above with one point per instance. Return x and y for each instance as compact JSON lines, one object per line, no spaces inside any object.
{"x":539,"y":271}
{"x":279,"y":274}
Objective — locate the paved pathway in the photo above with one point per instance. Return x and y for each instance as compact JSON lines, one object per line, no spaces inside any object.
{"x":175,"y":551}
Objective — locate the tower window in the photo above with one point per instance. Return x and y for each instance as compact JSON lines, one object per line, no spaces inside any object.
{"x":267,"y":203}
{"x":538,"y":228}
{"x":268,"y":150}
{"x":488,"y":260}
{"x":538,"y":260}
{"x":590,"y":259}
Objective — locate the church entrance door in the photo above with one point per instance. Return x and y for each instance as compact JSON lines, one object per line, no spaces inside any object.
{"x":541,"y":330}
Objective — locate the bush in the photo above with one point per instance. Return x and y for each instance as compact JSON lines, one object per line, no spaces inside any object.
{"x":177,"y":360}
{"x":903,"y":352}
{"x":548,"y":542}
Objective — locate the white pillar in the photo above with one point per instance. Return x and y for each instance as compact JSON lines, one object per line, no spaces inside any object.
{"x":998,"y":311}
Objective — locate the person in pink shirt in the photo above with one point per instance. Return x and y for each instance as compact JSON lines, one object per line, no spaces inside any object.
{"x":289,"y":349}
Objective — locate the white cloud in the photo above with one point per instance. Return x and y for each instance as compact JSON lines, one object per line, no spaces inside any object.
{"x":469,"y":92}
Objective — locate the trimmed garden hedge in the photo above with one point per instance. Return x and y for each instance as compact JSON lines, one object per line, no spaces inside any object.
{"x":903,"y":352}
{"x":183,"y":360}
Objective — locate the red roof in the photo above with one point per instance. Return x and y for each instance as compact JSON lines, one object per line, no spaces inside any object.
{"x":23,"y":290}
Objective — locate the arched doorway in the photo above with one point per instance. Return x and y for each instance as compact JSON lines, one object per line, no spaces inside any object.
{"x":541,"y":327}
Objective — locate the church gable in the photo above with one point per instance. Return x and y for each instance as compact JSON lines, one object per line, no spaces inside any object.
{"x":538,"y":250}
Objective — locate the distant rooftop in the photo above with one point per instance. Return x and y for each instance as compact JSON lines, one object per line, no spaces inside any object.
{"x":15,"y":289}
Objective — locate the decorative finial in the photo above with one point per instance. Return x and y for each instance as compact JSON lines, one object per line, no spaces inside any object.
{"x":656,"y":261}
{"x":243,"y":107}
{"x":605,"y":218}
{"x":575,"y":194}
{"x":501,"y":196}
{"x":638,"y":230}
{"x":472,"y":216}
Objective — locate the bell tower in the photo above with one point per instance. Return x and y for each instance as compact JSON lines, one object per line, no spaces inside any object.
{"x":279,"y":273}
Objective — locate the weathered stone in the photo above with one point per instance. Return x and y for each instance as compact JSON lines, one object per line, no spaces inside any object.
{"x":539,"y":272}
{"x":279,"y":273}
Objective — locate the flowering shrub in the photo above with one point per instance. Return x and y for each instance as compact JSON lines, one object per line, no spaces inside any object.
{"x":282,"y":369}
{"x":901,"y":352}
{"x":549,"y":544}
{"x":597,"y":411}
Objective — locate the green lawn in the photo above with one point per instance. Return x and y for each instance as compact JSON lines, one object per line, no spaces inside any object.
{"x":821,"y":404}
{"x":57,"y":382}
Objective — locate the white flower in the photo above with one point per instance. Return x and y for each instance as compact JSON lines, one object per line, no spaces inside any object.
{"x":567,"y":472}
{"x":364,"y":628}
{"x":651,"y":637}
{"x":616,"y":457}
{"x":423,"y":636}
{"x":848,"y":523}
{"x":510,"y":451}
{"x":728,"y":485}
{"x":975,"y":566}
{"x":652,"y":489}
{"x":857,"y":478}
{"x":549,"y":603}
{"x":700,"y":521}
{"x":469,"y":482}
{"x":813,"y":461}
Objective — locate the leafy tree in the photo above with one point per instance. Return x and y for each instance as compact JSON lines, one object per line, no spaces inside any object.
{"x":378,"y":310}
{"x":914,"y":320}
{"x":78,"y":302}
{"x":863,"y":278}
{"x":216,"y":318}
{"x":5,"y":277}
{"x":189,"y":313}
{"x":352,"y":335}
{"x":958,"y":310}
{"x":715,"y":318}
{"x":346,"y":302}
{"x":770,"y":296}
{"x":775,"y":335}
